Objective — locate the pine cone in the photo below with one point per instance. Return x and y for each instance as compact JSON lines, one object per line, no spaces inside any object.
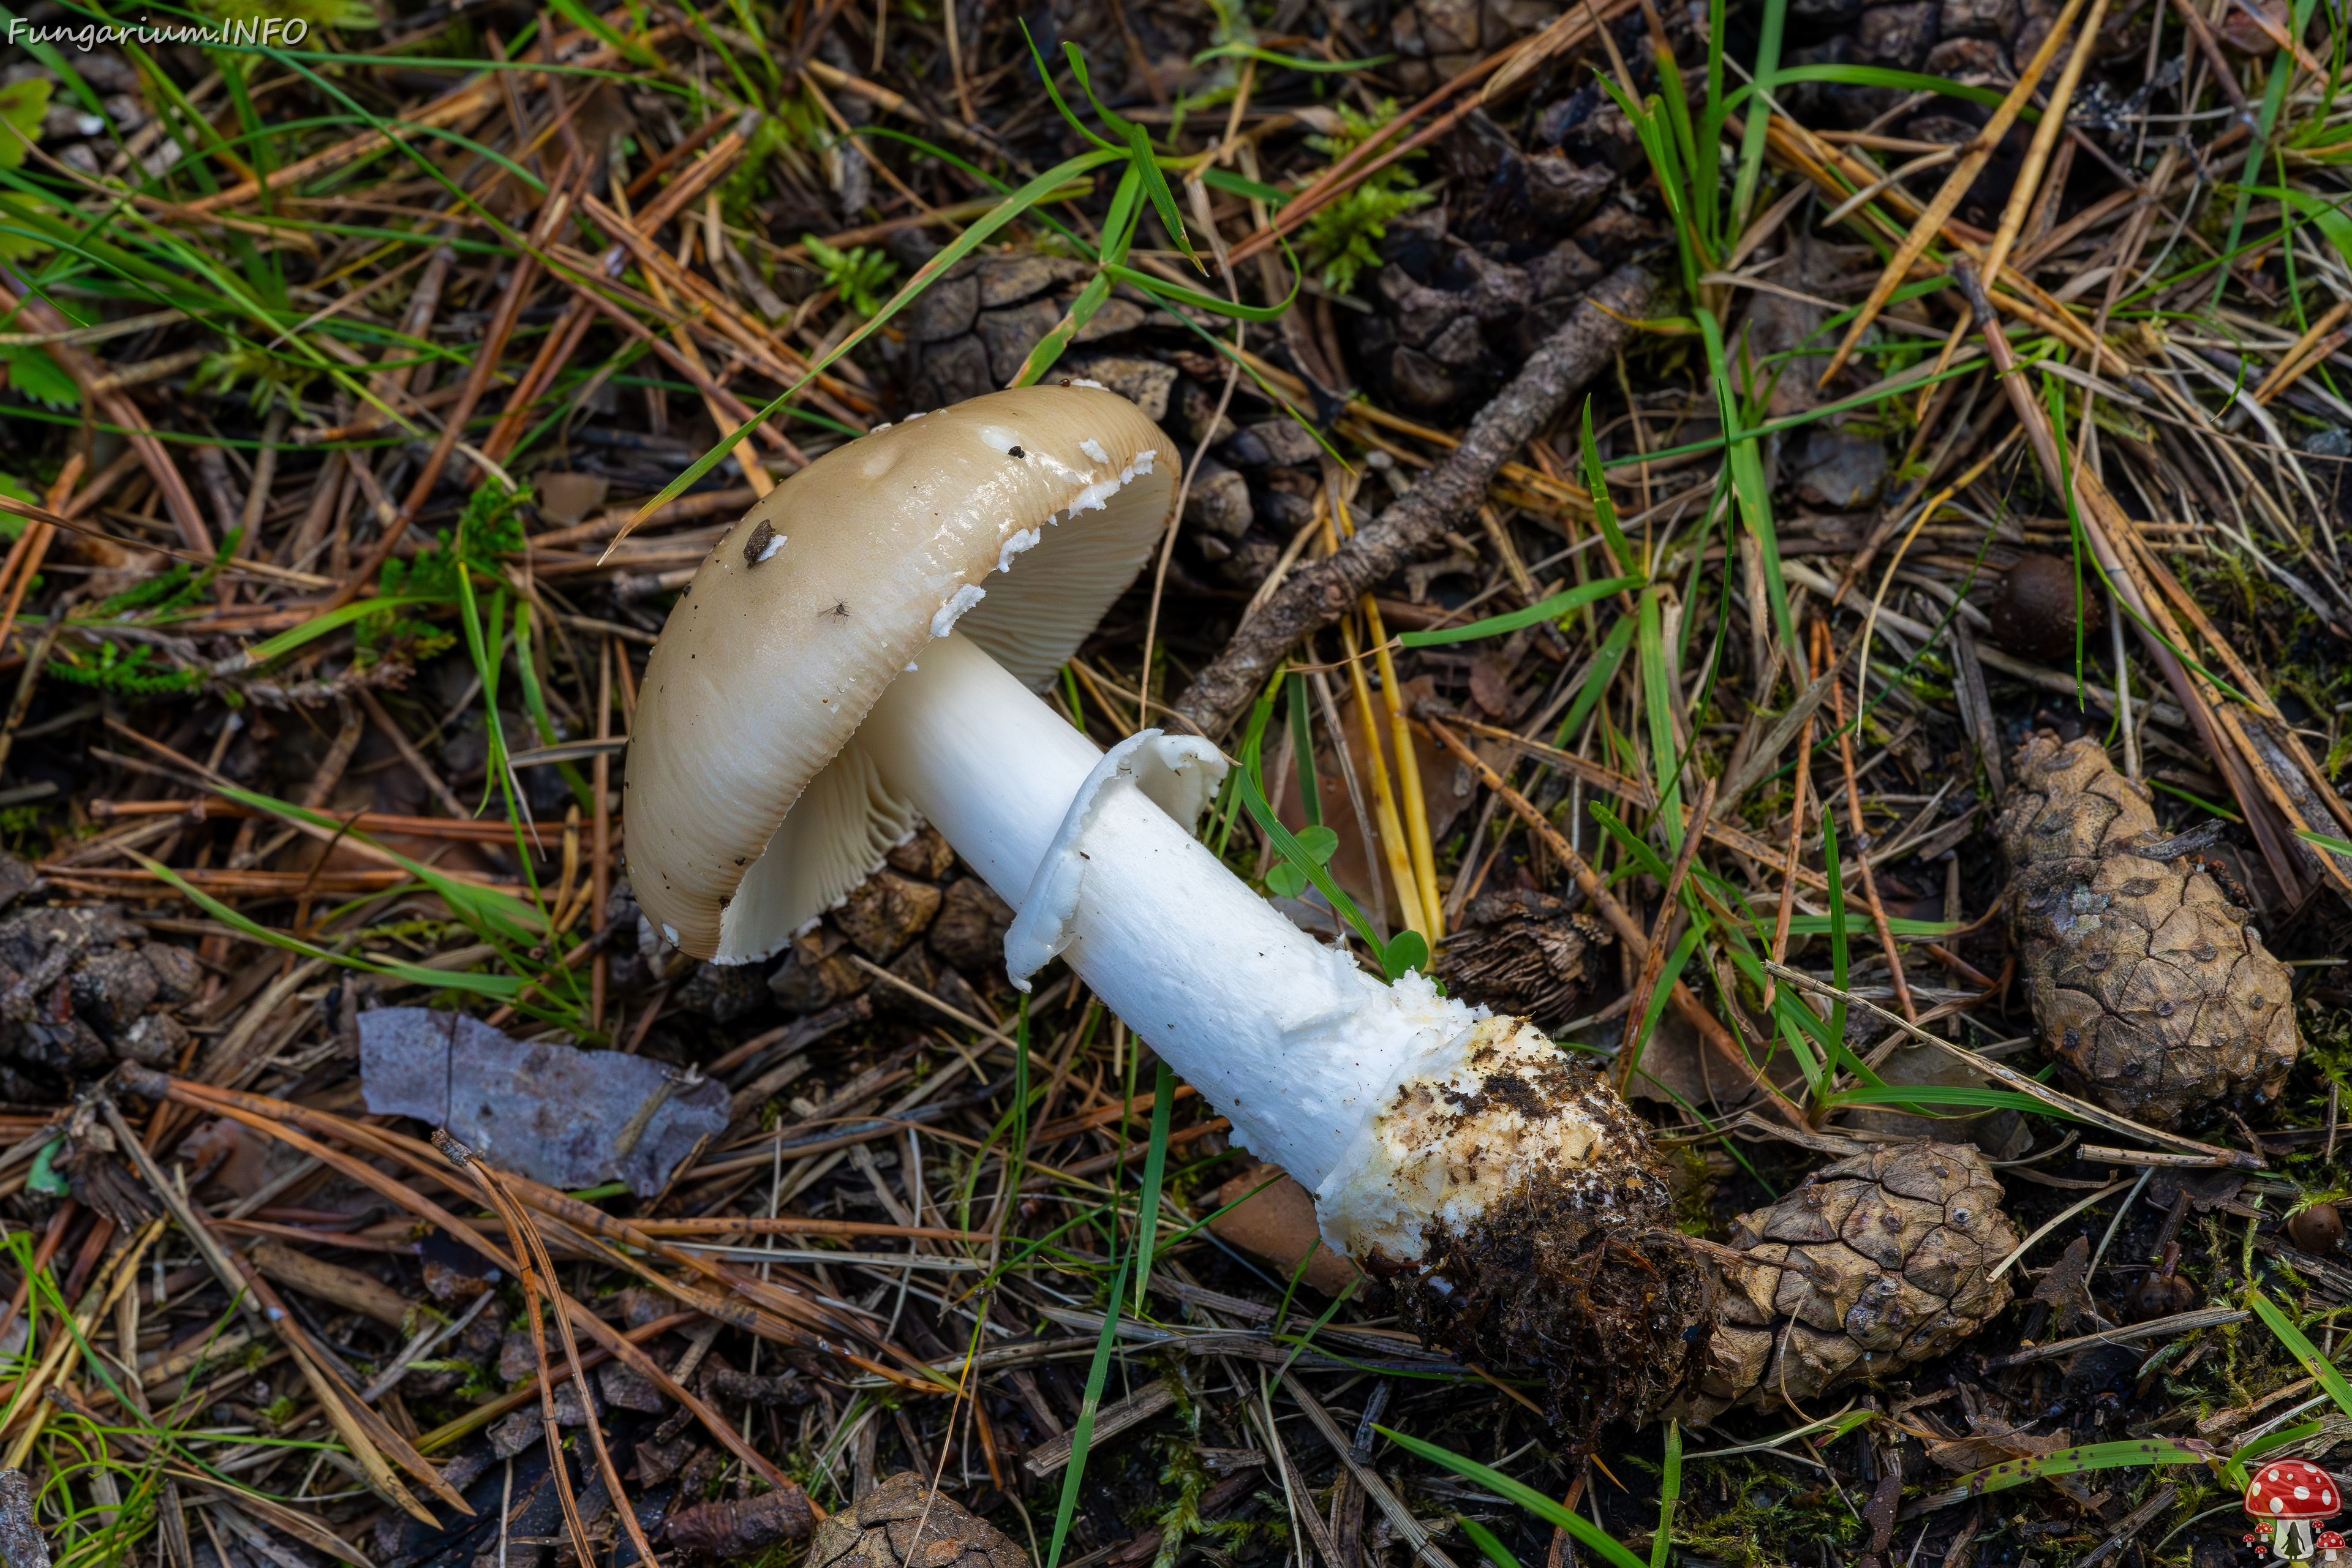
{"x":879,"y":1532}
{"x":79,"y":986}
{"x":1523,"y":953}
{"x":968,"y":333}
{"x":2148,"y":981}
{"x":1875,"y":1262}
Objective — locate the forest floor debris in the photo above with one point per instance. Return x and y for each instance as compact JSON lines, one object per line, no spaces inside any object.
{"x":1647,"y":471}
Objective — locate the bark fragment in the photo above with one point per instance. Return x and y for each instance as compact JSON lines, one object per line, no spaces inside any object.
{"x":1414,"y":527}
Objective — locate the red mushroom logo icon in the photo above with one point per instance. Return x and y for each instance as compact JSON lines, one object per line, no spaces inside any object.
{"x":2293,"y":1497}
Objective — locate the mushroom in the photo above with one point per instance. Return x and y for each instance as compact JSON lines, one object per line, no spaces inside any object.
{"x":2292,"y":1496}
{"x":2039,"y":606}
{"x":862,"y":653}
{"x":2161,"y":1291}
{"x":2317,"y":1228}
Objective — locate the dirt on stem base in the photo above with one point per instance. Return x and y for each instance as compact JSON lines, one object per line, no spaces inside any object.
{"x":1569,"y":1263}
{"x":1548,"y":1243}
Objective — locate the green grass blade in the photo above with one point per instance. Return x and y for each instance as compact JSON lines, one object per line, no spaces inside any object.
{"x":1638,"y":851}
{"x":1050,"y":348}
{"x":1490,"y":1546}
{"x":581,"y":16}
{"x":1803,"y":1049}
{"x":1234,"y":184}
{"x":2283,"y":70}
{"x":2285,"y":1437}
{"x":285,"y":642}
{"x":1527,"y":1497}
{"x":2054,"y":401}
{"x":1155,"y":187}
{"x":1838,"y":943}
{"x":1745,"y":460}
{"x":2322,"y":1370}
{"x":1800,"y":1024}
{"x":1082,"y":1434}
{"x":1253,"y":747}
{"x":501,"y":986}
{"x":2055,"y":397}
{"x":1155,"y":1167}
{"x":1604,"y":510}
{"x":1171,"y":293}
{"x":1911,"y":1097}
{"x":1120,"y":218}
{"x":1287,"y":62}
{"x":1658,"y":686}
{"x":1751,"y":140}
{"x":1670,"y":1491}
{"x":1551,"y":609}
{"x":490,"y":912}
{"x":1299,"y":1343}
{"x":2332,"y":224}
{"x":1045,"y":75}
{"x":1596,"y":680}
{"x":534,"y":700}
{"x":1819,"y":925}
{"x":1302,"y":740}
{"x":2122,"y":1455}
{"x":1876,"y":76}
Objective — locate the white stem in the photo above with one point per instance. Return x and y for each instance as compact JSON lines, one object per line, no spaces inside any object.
{"x":1283,"y":1035}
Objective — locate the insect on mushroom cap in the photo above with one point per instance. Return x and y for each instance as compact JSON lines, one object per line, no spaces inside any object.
{"x":1015,"y":519}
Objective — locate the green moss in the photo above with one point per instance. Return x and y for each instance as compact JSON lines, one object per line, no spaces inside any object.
{"x":1693,"y":1186}
{"x":426,"y":934}
{"x":784,"y":1554}
{"x":269,"y":380}
{"x":857,"y":274}
{"x":18,"y":822}
{"x":792,"y":122}
{"x":1747,"y":1515}
{"x":136,"y":672}
{"x":2327,"y":1041}
{"x":491,"y":527}
{"x":1343,"y":238}
{"x":1180,"y":1522}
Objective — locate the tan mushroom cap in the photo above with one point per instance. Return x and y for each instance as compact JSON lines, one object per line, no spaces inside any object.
{"x":751,"y":807}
